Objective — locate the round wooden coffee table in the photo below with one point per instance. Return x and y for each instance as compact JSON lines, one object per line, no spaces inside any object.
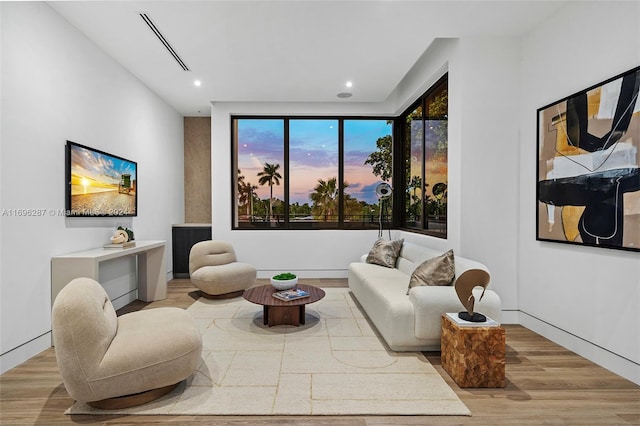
{"x":279,"y":312}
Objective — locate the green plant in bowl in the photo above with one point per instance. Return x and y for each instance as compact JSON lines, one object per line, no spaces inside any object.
{"x":284,"y":281}
{"x":284,"y":276}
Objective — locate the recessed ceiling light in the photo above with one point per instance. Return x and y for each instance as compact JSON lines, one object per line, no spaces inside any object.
{"x":349,"y":84}
{"x":344,"y":95}
{"x":197,"y":83}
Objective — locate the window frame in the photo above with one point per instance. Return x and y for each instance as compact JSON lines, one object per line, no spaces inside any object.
{"x":286,"y":223}
{"x":399,"y":170}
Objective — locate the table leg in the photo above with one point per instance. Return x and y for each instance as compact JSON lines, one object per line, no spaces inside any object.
{"x":302,"y":317}
{"x":265,"y":314}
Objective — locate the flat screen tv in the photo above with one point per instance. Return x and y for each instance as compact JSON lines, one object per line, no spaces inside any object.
{"x":99,"y":184}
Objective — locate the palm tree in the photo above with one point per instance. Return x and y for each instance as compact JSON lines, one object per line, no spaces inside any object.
{"x":325,"y":197}
{"x":270,"y":176}
{"x":245,"y":195}
{"x":242,"y":196}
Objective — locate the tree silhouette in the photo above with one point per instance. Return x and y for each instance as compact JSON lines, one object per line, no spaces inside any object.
{"x":245,"y":192}
{"x":270,"y":176}
{"x":381,"y":159}
{"x":325,"y":198}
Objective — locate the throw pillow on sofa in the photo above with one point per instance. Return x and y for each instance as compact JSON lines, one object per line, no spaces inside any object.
{"x":385,"y":253}
{"x":440,"y":270}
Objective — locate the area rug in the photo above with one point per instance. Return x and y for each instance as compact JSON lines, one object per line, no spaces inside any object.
{"x":335,"y":364}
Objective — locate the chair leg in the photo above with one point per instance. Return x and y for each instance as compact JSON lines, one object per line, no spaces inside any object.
{"x":222,"y":296}
{"x":133,"y":400}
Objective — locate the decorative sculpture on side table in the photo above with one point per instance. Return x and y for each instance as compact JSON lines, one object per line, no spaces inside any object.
{"x":464,"y":288}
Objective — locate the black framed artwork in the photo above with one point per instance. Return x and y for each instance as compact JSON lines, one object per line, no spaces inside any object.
{"x":588,"y":187}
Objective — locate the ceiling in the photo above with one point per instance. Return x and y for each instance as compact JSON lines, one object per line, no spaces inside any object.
{"x":286,"y":51}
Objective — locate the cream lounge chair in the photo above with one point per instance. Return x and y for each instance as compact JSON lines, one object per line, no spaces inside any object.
{"x":214,"y":269}
{"x":113,"y":362}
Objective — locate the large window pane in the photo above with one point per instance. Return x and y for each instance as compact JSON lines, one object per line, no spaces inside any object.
{"x":313,"y":173}
{"x":436,"y":143}
{"x":367,"y":163}
{"x":259,"y":181}
{"x":310,"y":173}
{"x":425,"y":162}
{"x":414,"y":168}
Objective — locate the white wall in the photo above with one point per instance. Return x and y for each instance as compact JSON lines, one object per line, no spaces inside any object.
{"x":57,"y":85}
{"x":487,"y":79}
{"x":584,"y":298}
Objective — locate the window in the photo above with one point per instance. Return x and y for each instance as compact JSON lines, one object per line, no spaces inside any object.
{"x":424,"y":154}
{"x":258,"y":181}
{"x":313,"y":172}
{"x":367,"y":163}
{"x":310,"y":173}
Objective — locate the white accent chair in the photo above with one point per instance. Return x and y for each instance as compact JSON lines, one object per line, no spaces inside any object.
{"x":215,"y":270}
{"x":112,"y":362}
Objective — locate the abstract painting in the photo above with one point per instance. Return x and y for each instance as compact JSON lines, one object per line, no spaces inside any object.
{"x":588,"y":188}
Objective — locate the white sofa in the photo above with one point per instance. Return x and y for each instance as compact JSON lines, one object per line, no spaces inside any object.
{"x":412,"y":322}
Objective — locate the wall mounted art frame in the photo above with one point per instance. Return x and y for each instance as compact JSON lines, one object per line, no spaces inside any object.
{"x":588,"y":187}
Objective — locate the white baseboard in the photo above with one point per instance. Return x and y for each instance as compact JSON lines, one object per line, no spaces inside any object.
{"x":509,"y":317}
{"x":621,"y":366}
{"x":24,"y":352}
{"x":125,"y":299}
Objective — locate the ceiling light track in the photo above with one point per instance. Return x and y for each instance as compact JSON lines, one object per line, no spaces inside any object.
{"x":164,"y":41}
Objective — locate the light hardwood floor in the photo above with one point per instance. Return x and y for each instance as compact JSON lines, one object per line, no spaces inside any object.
{"x":546,"y":384}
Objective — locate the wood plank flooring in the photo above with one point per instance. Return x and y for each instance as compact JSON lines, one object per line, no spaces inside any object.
{"x":546,"y":384}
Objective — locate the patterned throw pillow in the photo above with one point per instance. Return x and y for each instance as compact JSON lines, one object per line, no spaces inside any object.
{"x":385,"y":253}
{"x":440,"y":270}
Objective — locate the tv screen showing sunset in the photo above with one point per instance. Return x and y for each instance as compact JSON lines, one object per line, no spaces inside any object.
{"x":100,"y":184}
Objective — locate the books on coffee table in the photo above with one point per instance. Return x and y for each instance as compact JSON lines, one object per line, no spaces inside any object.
{"x":289,"y":295}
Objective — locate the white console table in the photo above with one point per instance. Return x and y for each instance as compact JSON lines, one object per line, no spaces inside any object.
{"x":152,"y":274}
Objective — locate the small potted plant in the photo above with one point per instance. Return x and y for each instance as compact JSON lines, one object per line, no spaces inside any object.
{"x":284,"y":281}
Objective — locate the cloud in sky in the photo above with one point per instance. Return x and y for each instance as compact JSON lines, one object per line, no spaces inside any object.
{"x":313,"y":153}
{"x":99,"y":167}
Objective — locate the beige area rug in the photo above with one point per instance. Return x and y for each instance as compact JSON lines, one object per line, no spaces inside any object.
{"x":335,"y":364}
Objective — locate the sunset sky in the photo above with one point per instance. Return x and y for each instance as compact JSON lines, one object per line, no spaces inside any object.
{"x":97,"y":171}
{"x":313,"y":154}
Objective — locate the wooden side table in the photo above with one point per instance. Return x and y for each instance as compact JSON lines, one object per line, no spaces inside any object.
{"x":474,"y":356}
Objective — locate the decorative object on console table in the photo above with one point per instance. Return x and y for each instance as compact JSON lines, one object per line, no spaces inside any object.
{"x":473,"y":355}
{"x":128,"y":244}
{"x":122,"y":238}
{"x":129,"y":232}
